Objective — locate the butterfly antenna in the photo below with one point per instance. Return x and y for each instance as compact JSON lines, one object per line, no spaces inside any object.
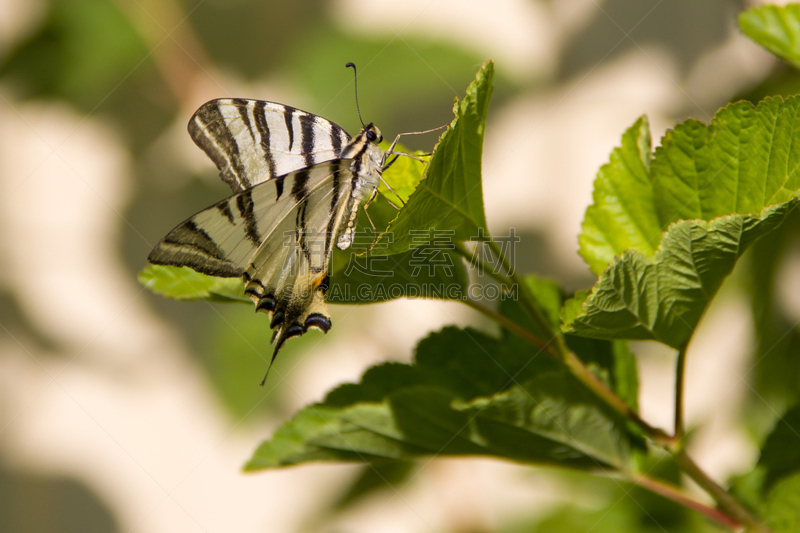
{"x":355,"y":80}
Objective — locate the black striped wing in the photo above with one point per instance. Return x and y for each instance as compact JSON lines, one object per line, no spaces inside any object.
{"x":279,"y":236}
{"x":252,"y":141}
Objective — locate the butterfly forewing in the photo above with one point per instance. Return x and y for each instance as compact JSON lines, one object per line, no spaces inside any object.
{"x":252,"y":141}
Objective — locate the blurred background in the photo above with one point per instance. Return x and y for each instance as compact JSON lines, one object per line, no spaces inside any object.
{"x":123,"y":411}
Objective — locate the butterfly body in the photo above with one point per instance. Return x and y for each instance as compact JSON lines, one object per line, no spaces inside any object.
{"x":298,"y":182}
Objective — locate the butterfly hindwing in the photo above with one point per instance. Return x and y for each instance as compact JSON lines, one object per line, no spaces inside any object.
{"x":252,"y":141}
{"x":223,"y":239}
{"x":288,"y":275}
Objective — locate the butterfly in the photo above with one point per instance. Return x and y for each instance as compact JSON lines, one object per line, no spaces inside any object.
{"x":298,"y":181}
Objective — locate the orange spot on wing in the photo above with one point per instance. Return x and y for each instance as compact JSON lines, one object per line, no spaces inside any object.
{"x":318,"y":280}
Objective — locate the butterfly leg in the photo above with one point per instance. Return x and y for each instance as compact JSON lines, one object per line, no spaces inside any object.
{"x":412,"y":133}
{"x":412,"y":156}
{"x":366,"y":205}
{"x":390,"y":163}
{"x":402,"y":203}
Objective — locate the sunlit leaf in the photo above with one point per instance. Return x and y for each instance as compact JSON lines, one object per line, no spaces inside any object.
{"x":712,"y":188}
{"x":663,"y":297}
{"x":741,"y":163}
{"x":621,"y":216}
{"x":183,"y":283}
{"x":776,"y":28}
{"x":450,"y":198}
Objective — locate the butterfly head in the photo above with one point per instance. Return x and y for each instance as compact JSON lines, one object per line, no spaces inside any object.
{"x":372,"y":134}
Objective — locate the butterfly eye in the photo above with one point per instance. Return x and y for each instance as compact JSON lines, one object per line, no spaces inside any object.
{"x":371,"y":137}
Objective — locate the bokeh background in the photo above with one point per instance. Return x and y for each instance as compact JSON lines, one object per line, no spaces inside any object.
{"x":122,"y":411}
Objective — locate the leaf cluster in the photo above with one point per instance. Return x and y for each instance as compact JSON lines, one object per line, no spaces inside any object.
{"x":558,"y":386}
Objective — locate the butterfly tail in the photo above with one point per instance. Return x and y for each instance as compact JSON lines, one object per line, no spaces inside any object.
{"x":299,"y":308}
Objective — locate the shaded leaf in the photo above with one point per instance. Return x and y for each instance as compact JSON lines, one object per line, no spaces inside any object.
{"x":450,"y":198}
{"x":782,"y":508}
{"x":612,"y":361}
{"x":780,"y":455}
{"x":375,"y":477}
{"x":626,"y":374}
{"x":775,"y":28}
{"x":662,"y":298}
{"x":776,"y":376}
{"x":420,"y":273}
{"x":748,"y":489}
{"x":467,"y":394}
{"x":548,"y":297}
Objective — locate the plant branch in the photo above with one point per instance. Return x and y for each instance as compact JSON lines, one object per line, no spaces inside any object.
{"x":574,"y":364}
{"x":589,"y":380}
{"x":677,"y":495}
{"x":680,"y":366}
{"x":527,"y":301}
{"x":725,"y":501}
{"x":473,"y":259}
{"x":736,"y":513}
{"x":507,"y":323}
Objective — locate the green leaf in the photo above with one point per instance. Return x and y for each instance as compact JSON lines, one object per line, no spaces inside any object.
{"x":782,"y":508}
{"x":424,"y":272}
{"x":420,"y":273}
{"x":404,"y":175}
{"x":82,"y":52}
{"x":716,"y":188}
{"x":621,"y":216}
{"x":780,"y":455}
{"x":613,"y":362}
{"x":573,"y":306}
{"x":466,"y":394}
{"x":626,"y":374}
{"x":375,"y":477}
{"x":741,"y":163}
{"x":183,"y":283}
{"x":776,"y":370}
{"x":662,"y":298}
{"x":748,"y":489}
{"x":548,"y":297}
{"x":450,"y":198}
{"x":775,"y":28}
